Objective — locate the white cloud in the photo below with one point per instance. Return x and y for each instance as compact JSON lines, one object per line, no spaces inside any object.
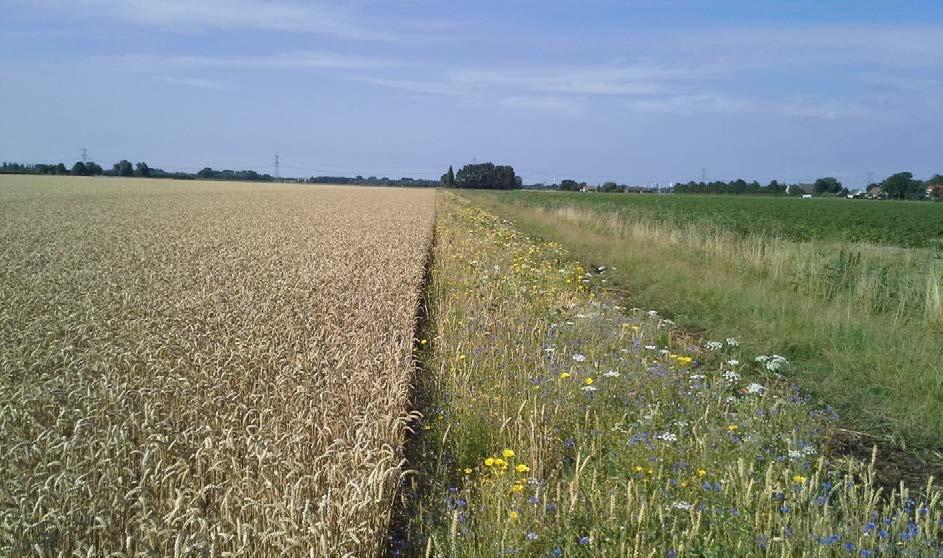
{"x":287,"y":60}
{"x":720,"y":103}
{"x":277,"y":15}
{"x":199,"y":83}
{"x":588,"y":80}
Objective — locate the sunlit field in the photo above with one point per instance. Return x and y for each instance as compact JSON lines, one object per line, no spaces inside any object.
{"x":204,"y":369}
{"x":561,"y":423}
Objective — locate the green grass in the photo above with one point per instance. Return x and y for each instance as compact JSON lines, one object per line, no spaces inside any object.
{"x":557,"y":423}
{"x":867,"y":349}
{"x":901,"y":223}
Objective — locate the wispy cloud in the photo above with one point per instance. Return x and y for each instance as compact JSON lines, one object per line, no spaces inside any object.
{"x":586,"y":80}
{"x":276,"y":61}
{"x":425,"y":87}
{"x":276,"y":15}
{"x":556,"y":105}
{"x":721,"y":103}
{"x":199,"y":83}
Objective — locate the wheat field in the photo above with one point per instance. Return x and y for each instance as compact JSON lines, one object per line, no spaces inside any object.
{"x":204,"y":369}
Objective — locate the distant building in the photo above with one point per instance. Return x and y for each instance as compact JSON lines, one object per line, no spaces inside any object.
{"x":874,"y":192}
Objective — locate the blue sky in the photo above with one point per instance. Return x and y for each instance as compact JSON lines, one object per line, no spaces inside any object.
{"x":631,"y":91}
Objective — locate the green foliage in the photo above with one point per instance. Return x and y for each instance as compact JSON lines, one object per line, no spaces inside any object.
{"x":610,"y":187}
{"x":142,"y":170}
{"x":827,"y":185}
{"x":122,"y":168}
{"x":487,"y":176}
{"x":903,"y":186}
{"x":568,"y":185}
{"x":569,"y":426}
{"x":892,"y":223}
{"x":448,"y":179}
{"x":864,"y":320}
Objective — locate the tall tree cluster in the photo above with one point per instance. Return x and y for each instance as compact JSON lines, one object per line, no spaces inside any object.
{"x":484,"y":176}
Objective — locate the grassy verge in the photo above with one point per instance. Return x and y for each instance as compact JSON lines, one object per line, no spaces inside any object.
{"x":880,"y":369}
{"x":557,"y":423}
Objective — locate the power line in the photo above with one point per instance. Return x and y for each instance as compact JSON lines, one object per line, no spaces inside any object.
{"x":276,"y":166}
{"x":84,"y":155}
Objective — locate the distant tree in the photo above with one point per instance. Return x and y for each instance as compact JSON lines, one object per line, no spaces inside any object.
{"x":79,"y":169}
{"x":827,"y":185}
{"x":122,"y":168}
{"x":487,"y":176}
{"x":60,"y":169}
{"x":205,"y":173}
{"x":902,"y":186}
{"x":448,"y":179}
{"x":610,"y":187}
{"x":569,"y":185}
{"x":94,"y":169}
{"x":935,"y":187}
{"x":795,"y":190}
{"x":142,"y":169}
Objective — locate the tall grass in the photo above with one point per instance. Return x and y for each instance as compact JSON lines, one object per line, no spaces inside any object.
{"x":559,"y":423}
{"x":900,"y":282}
{"x":202,"y":369}
{"x":861,"y":321}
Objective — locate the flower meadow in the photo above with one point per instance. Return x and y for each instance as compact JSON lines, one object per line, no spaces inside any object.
{"x":557,"y":423}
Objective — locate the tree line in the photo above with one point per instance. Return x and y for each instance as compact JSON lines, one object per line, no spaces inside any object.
{"x":126,"y":169}
{"x":902,"y":186}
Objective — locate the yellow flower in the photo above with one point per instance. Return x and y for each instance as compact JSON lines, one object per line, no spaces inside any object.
{"x":637,"y":469}
{"x":587,"y":380}
{"x":733,"y":427}
{"x":517,"y":488}
{"x":521,"y":468}
{"x":423,"y":341}
{"x":468,"y":471}
{"x":489,"y":462}
{"x":461,"y":357}
{"x":513,"y":515}
{"x":564,"y":376}
{"x":701,"y":472}
{"x":798,"y":479}
{"x":507,"y":453}
{"x":684,"y":484}
{"x":500,"y":462}
{"x":650,"y":471}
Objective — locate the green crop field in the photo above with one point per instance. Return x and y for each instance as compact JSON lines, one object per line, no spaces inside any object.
{"x":915,"y":224}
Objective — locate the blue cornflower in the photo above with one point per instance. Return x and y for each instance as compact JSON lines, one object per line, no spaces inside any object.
{"x":849,"y":547}
{"x":865,"y":553}
{"x":584,"y":540}
{"x":831,"y":539}
{"x":869,"y":526}
{"x":556,"y":552}
{"x":672,"y":553}
{"x":784,"y":508}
